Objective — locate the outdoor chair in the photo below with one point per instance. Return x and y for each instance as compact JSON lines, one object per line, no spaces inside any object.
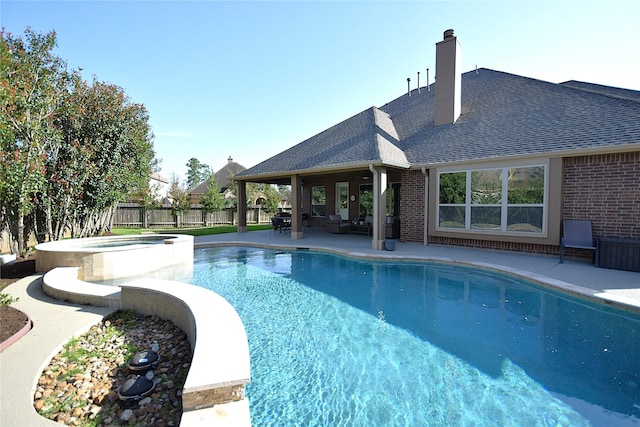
{"x":336,"y":225}
{"x":280,"y":223}
{"x":577,"y":234}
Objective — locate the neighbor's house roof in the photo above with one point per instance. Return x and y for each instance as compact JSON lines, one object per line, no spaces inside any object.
{"x":223,"y":178}
{"x":503,"y":115}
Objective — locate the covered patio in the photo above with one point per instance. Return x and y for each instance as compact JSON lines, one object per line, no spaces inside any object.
{"x":365,"y":197}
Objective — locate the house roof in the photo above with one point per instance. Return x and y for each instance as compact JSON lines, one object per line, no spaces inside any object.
{"x":223,"y":178}
{"x":503,"y":115}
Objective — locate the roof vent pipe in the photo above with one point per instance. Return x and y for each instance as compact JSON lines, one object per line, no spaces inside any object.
{"x":418,"y":81}
{"x":408,"y":86}
{"x":428,"y":87}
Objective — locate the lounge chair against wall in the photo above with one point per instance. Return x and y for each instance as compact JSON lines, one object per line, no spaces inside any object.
{"x":577,"y":234}
{"x":337,"y":225}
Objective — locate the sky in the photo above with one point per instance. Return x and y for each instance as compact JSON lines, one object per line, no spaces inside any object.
{"x":248,"y":80}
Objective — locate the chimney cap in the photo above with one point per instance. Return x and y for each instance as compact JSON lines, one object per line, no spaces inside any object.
{"x":448,"y":34}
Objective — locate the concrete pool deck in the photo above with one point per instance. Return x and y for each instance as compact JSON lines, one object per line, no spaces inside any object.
{"x":56,"y":321}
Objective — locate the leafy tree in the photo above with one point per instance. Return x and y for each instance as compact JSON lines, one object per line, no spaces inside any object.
{"x":69,"y":150}
{"x":212,"y":200}
{"x":32,"y":79}
{"x":179,"y":198}
{"x":267,"y":193}
{"x":106,"y":156}
{"x":197,"y":172}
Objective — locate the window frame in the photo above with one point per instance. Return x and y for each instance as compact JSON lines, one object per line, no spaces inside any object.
{"x":504,"y":204}
{"x":322,"y":206}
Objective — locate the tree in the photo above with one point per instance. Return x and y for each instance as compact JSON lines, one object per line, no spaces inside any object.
{"x":107,"y":155}
{"x":32,"y":80}
{"x":69,"y":150}
{"x":267,"y":193}
{"x":197,"y":172}
{"x":212,"y":200}
{"x":179,"y":199}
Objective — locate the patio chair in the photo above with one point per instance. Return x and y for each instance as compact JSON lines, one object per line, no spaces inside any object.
{"x":281,"y":223}
{"x":337,"y":226}
{"x":577,"y":234}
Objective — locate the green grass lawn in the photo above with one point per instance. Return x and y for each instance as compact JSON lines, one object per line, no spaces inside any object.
{"x":202,"y":231}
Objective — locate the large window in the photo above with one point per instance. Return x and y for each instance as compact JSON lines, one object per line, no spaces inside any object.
{"x":502,"y":200}
{"x":318,"y":200}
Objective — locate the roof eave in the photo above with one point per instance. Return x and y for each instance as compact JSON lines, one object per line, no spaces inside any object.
{"x":324,"y":170}
{"x":626,"y":148}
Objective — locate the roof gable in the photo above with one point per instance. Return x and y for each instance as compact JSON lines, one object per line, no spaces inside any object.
{"x":367,"y":137}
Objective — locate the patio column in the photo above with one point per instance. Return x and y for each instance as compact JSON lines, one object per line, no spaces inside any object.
{"x":242,"y":206}
{"x":296,"y":208}
{"x":379,"y":206}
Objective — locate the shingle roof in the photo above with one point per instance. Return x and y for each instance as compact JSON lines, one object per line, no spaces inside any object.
{"x":223,"y":178}
{"x":503,"y":115}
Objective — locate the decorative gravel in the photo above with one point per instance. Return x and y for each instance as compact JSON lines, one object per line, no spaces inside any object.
{"x":80,"y":385}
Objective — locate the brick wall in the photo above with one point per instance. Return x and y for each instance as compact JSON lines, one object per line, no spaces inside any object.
{"x":412,"y":206}
{"x":604,"y":189}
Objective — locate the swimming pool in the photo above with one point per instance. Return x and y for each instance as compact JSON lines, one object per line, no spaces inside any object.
{"x":336,"y":341}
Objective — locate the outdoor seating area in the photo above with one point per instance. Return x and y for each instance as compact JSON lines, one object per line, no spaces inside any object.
{"x":337,"y":225}
{"x":281,"y":222}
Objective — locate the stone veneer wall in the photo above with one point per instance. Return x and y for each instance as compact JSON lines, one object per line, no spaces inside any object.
{"x":604,"y":189}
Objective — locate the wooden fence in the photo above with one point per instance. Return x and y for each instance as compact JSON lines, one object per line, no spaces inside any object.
{"x":136,"y":216}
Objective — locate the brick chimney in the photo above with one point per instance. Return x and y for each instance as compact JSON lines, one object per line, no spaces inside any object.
{"x":448,"y":80}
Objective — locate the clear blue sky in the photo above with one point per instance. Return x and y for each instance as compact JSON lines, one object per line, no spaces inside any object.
{"x":251,"y":79}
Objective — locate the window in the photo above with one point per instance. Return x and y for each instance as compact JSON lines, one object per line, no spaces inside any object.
{"x":501,"y":200}
{"x":318,"y":200}
{"x":366,"y":200}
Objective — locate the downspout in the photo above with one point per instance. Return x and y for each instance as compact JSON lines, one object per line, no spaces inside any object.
{"x":426,"y":206}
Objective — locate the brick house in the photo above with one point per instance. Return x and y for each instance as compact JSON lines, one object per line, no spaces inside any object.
{"x":483,"y":158}
{"x":224,"y":180}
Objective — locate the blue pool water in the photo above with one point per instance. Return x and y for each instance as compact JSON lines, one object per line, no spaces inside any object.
{"x":341,"y":342}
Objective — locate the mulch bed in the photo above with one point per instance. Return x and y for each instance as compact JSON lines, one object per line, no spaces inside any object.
{"x":13,"y":320}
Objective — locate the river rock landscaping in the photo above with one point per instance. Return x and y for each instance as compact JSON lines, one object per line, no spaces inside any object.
{"x":80,"y":385}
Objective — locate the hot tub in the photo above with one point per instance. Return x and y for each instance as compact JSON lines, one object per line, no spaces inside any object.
{"x":112,"y":257}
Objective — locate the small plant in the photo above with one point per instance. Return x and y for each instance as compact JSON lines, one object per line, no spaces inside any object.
{"x":6,"y":299}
